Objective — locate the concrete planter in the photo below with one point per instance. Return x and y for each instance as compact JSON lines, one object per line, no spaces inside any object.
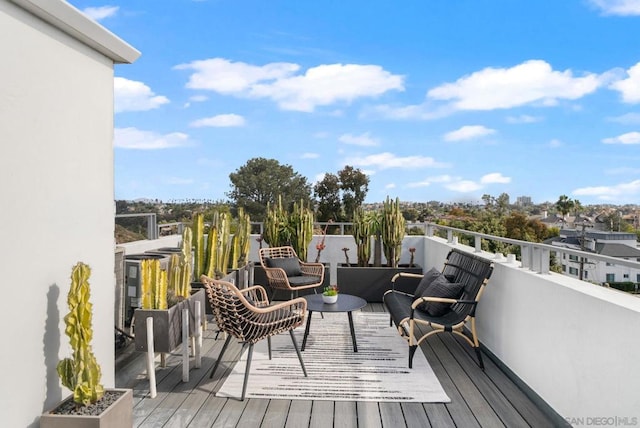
{"x":371,"y":282}
{"x":119,"y":414}
{"x":167,"y":323}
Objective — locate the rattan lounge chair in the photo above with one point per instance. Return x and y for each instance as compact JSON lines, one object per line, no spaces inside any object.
{"x":461,"y":268}
{"x":247,"y":315}
{"x":285,"y":271}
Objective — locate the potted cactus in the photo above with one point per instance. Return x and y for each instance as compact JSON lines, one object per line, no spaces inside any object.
{"x":164,"y":295}
{"x":90,"y":405}
{"x":371,"y":281}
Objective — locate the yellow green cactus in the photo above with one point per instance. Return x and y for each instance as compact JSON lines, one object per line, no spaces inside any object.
{"x":81,"y":374}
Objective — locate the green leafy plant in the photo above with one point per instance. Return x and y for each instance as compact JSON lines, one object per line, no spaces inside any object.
{"x":81,"y":374}
{"x":330,"y":290}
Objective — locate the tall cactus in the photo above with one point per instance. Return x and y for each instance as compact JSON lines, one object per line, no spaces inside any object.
{"x":242,"y":239}
{"x":153,"y":285}
{"x":199,"y":254}
{"x":362,"y":235}
{"x":393,"y":230}
{"x":81,"y":374}
{"x":276,"y":225}
{"x":218,"y":245}
{"x":301,"y":226}
{"x":180,"y":267}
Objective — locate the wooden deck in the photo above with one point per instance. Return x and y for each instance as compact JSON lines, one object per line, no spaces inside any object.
{"x":478,"y":399}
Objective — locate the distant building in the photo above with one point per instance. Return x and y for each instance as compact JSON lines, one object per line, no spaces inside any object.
{"x":523,"y":201}
{"x":613,"y":244}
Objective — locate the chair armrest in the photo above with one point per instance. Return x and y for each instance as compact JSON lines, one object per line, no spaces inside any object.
{"x":406,"y":275}
{"x":258,"y":294}
{"x":313,"y":269}
{"x":421,"y":300}
{"x":298,"y":305}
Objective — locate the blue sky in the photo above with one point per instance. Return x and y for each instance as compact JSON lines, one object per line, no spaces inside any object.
{"x":434,"y":99}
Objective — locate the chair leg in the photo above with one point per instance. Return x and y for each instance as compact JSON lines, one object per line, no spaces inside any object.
{"x":224,"y":348}
{"x":295,"y":345}
{"x":269,"y":345}
{"x":412,"y":351}
{"x":246,"y":371}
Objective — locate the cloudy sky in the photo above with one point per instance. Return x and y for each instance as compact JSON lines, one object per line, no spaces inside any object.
{"x":434,"y":99}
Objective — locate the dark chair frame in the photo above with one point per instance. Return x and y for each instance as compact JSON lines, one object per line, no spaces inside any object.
{"x":460,"y":266}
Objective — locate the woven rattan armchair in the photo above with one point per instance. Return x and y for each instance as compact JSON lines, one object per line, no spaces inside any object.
{"x":247,"y":315}
{"x":285,"y":271}
{"x":468,"y":271}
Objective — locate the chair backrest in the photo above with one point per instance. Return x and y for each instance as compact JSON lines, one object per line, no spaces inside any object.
{"x":276,"y":253}
{"x":229,"y":308}
{"x":471,"y":270}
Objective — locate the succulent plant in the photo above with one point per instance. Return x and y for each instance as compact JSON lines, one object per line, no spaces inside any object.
{"x":393,"y":230}
{"x":81,"y":374}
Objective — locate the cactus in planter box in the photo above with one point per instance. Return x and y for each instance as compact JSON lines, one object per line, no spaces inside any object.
{"x":81,"y":374}
{"x":362,"y":236}
{"x":301,"y":226}
{"x":241,"y":240}
{"x":393,"y":230}
{"x":218,"y":245}
{"x":276,"y":225}
{"x":153,"y":285}
{"x":199,"y":255}
{"x":180,"y":267}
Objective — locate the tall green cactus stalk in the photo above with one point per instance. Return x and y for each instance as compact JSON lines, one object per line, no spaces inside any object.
{"x":242,"y":239}
{"x":81,"y":374}
{"x":199,"y":263}
{"x":362,"y":235}
{"x":218,"y":245}
{"x":180,"y":271}
{"x":153,"y":285}
{"x":393,"y":230}
{"x":301,"y":226}
{"x":276,"y":225}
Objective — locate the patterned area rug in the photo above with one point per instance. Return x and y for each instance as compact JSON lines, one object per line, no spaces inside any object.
{"x":377,"y":372}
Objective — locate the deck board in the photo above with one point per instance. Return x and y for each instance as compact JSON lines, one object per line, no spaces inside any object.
{"x":480,"y":399}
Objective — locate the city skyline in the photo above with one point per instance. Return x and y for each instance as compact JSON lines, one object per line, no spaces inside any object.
{"x":433,"y":100}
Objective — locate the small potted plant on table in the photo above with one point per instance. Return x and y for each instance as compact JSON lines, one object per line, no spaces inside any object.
{"x":330,"y":294}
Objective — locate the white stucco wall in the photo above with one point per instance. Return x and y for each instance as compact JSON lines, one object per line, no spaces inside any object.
{"x":56,"y":166}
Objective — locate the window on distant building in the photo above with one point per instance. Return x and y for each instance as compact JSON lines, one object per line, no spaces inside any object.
{"x":638,"y":277}
{"x":609,"y":264}
{"x":573,"y":258}
{"x":564,"y":268}
{"x":611,"y":277}
{"x":564,"y":256}
{"x":585,"y":275}
{"x":625,"y":276}
{"x":573,"y":271}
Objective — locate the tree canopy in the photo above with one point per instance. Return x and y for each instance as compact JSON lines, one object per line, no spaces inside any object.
{"x":261,"y":181}
{"x":339,"y":195}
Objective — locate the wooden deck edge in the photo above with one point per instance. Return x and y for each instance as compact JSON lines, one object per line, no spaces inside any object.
{"x":544,"y":407}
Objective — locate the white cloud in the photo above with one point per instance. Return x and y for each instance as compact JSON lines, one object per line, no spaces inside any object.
{"x":319,"y":86}
{"x":618,"y":7}
{"x":628,"y":138}
{"x":626,"y":119}
{"x":610,"y":193}
{"x":198,"y":98}
{"x":463,"y":186}
{"x":130,"y":95}
{"x":523,"y":118}
{"x":468,"y":132}
{"x":390,"y":186}
{"x":133,"y":138}
{"x":531,"y":82}
{"x":555,"y":143}
{"x":389,"y":160}
{"x":364,"y":140}
{"x":629,"y":88}
{"x":495,"y":177}
{"x":310,"y":156}
{"x":219,"y":121}
{"x":102,"y":12}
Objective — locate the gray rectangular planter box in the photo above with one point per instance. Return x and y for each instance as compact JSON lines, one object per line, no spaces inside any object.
{"x":371,"y":282}
{"x":118,"y":414}
{"x":238,"y":277}
{"x":167,"y":324}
